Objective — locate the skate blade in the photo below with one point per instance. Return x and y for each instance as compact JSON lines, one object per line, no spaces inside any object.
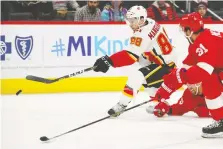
{"x":113,"y":116}
{"x":212,"y":136}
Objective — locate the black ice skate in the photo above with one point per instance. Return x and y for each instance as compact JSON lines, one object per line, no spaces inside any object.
{"x":214,"y":130}
{"x":117,"y":110}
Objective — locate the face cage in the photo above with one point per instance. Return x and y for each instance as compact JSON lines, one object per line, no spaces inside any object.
{"x":188,"y":37}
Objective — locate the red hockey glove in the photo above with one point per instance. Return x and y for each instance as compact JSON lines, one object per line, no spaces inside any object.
{"x":161,"y":109}
{"x":172,"y":82}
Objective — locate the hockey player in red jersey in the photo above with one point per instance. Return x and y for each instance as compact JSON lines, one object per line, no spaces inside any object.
{"x":189,"y":102}
{"x":150,"y":47}
{"x":205,"y":68}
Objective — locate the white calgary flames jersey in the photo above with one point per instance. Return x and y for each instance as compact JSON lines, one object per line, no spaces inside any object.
{"x":151,"y":42}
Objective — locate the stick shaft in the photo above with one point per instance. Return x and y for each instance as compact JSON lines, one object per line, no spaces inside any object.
{"x":82,"y":126}
{"x":177,"y":6}
{"x":49,"y":81}
{"x":74,"y":74}
{"x":99,"y":120}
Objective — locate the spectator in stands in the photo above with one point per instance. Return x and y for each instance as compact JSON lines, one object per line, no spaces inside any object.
{"x":202,"y":10}
{"x":25,"y":7}
{"x":161,"y":11}
{"x":89,"y":12}
{"x":6,"y":9}
{"x":61,"y":7}
{"x":110,"y":13}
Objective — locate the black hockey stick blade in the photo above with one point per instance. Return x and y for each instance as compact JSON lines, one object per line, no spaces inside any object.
{"x":39,"y":79}
{"x":48,"y":81}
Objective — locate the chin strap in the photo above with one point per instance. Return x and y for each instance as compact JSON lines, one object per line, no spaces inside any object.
{"x":189,"y":38}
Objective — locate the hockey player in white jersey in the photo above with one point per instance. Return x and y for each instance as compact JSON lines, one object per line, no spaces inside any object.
{"x":149,"y":45}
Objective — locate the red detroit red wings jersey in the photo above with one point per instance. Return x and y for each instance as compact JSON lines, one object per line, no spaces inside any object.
{"x":189,"y":102}
{"x":207,"y":48}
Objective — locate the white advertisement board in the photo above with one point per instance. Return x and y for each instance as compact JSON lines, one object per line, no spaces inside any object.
{"x":55,"y":50}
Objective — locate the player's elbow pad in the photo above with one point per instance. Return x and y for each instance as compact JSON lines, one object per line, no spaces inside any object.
{"x":123,"y":58}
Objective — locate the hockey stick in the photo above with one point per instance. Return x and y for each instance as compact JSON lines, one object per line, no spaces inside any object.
{"x":49,"y":81}
{"x":44,"y":138}
{"x":177,"y":6}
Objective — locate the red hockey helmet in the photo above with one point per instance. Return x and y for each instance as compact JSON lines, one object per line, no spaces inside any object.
{"x":192,"y":21}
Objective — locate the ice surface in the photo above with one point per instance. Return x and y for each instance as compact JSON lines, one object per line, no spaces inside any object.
{"x":25,"y":118}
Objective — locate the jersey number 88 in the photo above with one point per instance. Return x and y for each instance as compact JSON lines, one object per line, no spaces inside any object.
{"x":136,"y":41}
{"x":164,"y":44}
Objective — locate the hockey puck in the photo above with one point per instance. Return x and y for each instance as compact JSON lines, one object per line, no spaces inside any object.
{"x":44,"y":138}
{"x":17,"y":93}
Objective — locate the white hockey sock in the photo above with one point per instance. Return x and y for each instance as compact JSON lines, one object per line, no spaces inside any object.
{"x":134,"y":83}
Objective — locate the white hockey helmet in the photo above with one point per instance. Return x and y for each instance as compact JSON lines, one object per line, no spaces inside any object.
{"x":136,"y":12}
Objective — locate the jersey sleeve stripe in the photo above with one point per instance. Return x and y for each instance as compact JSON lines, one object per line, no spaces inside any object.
{"x":215,"y":103}
{"x":205,"y":66}
{"x":157,"y":58}
{"x":132,"y":57}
